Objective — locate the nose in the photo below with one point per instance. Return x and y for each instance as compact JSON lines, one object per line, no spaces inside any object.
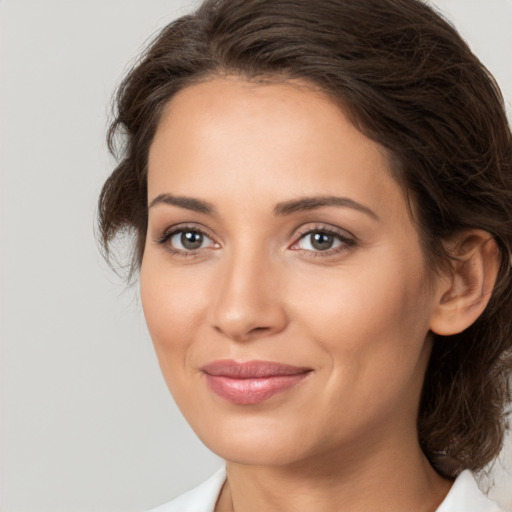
{"x":248,"y":302}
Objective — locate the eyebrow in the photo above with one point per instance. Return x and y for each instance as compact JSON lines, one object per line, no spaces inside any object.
{"x":304,"y":204}
{"x":285,"y":208}
{"x":189,"y":203}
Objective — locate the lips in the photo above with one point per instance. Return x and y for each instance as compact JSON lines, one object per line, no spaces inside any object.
{"x":251,"y":382}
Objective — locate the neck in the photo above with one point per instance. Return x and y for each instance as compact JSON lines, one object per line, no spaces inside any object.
{"x":389,"y":478}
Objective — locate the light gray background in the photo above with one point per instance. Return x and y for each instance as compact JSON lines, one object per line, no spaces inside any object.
{"x":87,"y":423}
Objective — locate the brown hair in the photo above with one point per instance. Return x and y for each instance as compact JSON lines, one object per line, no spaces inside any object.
{"x":409,"y":82}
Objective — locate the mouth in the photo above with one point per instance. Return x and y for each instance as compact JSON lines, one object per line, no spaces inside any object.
{"x":251,"y":382}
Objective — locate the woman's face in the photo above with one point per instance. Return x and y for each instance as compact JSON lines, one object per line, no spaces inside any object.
{"x":282,"y":281}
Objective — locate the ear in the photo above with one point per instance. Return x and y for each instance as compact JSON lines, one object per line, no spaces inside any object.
{"x":464,"y":292}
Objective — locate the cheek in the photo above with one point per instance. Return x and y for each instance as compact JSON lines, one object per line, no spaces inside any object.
{"x":372,"y":332}
{"x":172,"y":309}
{"x":363,"y":298}
{"x":173,"y":304}
{"x":369,"y":319}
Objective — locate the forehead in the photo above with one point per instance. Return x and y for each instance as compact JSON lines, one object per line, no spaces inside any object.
{"x":270,"y":140}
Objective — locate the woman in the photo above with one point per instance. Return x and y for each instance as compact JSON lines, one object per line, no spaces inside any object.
{"x":320,"y":195}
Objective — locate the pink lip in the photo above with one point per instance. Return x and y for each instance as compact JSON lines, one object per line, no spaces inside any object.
{"x":251,"y":382}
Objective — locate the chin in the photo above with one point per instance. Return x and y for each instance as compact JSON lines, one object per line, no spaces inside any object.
{"x":257,"y":454}
{"x":256,"y":446}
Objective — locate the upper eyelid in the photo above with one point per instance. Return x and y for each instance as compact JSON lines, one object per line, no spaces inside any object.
{"x":177,"y":228}
{"x":342,"y":233}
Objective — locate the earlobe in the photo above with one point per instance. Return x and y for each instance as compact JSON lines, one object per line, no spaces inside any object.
{"x":464,"y":293}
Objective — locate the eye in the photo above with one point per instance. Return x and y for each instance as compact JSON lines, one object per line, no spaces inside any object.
{"x":185,"y":240}
{"x":323,"y":240}
{"x":188,"y":240}
{"x":318,"y":241}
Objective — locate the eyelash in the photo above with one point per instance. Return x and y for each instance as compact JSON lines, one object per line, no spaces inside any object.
{"x":347,"y":242}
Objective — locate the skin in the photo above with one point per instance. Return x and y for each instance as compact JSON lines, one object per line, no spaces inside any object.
{"x":358,"y":314}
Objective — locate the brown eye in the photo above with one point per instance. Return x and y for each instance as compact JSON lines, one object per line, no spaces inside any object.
{"x":188,"y":240}
{"x":320,"y":241}
{"x":191,"y":240}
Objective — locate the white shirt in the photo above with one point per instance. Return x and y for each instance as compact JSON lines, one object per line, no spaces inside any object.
{"x":464,"y":496}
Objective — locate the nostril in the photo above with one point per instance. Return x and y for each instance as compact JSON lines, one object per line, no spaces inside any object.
{"x":240,"y":334}
{"x":256,"y":331}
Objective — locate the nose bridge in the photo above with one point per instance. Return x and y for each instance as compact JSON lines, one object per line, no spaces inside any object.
{"x":248,"y":301}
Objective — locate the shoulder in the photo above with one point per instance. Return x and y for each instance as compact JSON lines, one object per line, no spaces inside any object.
{"x":200,"y":499}
{"x":465,"y":496}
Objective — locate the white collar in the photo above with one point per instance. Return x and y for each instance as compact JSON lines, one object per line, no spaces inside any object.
{"x":199,"y":499}
{"x":464,"y":496}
